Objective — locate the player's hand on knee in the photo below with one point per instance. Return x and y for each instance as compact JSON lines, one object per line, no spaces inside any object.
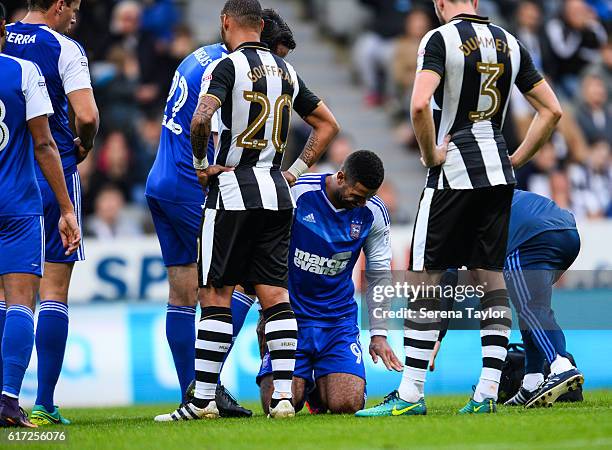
{"x":70,"y":232}
{"x":432,"y":360}
{"x":379,"y":347}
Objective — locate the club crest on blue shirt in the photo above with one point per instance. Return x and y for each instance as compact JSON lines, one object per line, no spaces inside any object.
{"x":355,"y":230}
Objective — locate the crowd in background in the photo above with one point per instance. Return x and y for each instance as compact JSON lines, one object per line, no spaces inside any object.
{"x":570,"y":42}
{"x":135,"y":46}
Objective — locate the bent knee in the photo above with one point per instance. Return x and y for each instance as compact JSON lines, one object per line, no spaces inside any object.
{"x":346,"y":406}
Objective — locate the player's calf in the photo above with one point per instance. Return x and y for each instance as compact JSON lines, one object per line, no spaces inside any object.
{"x":18,"y":340}
{"x":51,"y":338}
{"x":266,"y":389}
{"x":281,"y":338}
{"x":494,"y":334}
{"x":420,"y":337}
{"x":342,"y":393}
{"x":214,"y":338}
{"x":346,"y":406}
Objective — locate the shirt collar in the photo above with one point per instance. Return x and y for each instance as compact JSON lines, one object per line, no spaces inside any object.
{"x":255,"y":45}
{"x":472,"y":18}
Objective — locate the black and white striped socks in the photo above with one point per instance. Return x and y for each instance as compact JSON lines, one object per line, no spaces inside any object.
{"x":494,"y":335}
{"x":420,"y":336}
{"x":213,"y":341}
{"x":281,"y":338}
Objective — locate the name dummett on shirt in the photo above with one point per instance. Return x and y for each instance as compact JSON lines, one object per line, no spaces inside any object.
{"x":474,"y":43}
{"x":264,"y":70}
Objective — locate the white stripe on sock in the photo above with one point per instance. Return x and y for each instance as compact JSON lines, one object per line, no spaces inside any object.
{"x":20,"y":308}
{"x":176,"y":311}
{"x":282,"y":344}
{"x":281,"y":325}
{"x":54,"y":308}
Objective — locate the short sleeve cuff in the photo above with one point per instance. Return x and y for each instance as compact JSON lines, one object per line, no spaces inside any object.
{"x":212,"y":95}
{"x":526,"y":87}
{"x":306,"y":110}
{"x":435,"y":71}
{"x":72,"y":87}
{"x":41,"y":111}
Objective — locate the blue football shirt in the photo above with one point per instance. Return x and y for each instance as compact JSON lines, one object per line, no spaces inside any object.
{"x":23,"y":96}
{"x":532,"y":215}
{"x":325,"y":245}
{"x":65,"y":68}
{"x":172,"y":177}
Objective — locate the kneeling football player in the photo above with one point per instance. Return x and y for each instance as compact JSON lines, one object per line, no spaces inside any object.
{"x":337,"y":216}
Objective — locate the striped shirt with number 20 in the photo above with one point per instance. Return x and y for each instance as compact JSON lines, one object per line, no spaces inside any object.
{"x":257,"y":91}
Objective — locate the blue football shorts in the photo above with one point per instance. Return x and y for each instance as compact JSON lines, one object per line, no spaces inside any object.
{"x":178,"y":227}
{"x":22,"y":245}
{"x":54,"y":249}
{"x":322,"y":351}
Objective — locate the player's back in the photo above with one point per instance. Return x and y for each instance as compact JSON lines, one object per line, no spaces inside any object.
{"x":257,"y":92}
{"x":263,"y":93}
{"x":19,"y":192}
{"x":65,"y":68}
{"x":325,"y":245}
{"x":479,"y":63}
{"x":172,"y":176}
{"x":532,"y":215}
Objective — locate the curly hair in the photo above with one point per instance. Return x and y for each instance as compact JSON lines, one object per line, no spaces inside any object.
{"x":365,"y":167}
{"x":276,"y":31}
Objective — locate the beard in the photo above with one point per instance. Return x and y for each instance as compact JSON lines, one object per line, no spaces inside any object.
{"x":339,"y":197}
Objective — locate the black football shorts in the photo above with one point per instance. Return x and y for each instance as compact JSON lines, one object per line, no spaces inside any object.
{"x":244,"y":247}
{"x":456,"y":228}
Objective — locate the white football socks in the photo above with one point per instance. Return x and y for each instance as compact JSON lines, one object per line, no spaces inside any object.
{"x":560,"y":365}
{"x":486,"y":389}
{"x":410,"y":390}
{"x":531,"y":381}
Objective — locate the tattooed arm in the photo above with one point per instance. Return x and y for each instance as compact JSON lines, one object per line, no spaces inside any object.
{"x":201,"y":125}
{"x":324,"y":129}
{"x":200,"y":136}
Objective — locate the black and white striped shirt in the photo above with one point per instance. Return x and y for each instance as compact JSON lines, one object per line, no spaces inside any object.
{"x":257,"y":91}
{"x":478,"y":63}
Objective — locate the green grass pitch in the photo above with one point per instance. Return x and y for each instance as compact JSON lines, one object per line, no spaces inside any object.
{"x":581,"y":426}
